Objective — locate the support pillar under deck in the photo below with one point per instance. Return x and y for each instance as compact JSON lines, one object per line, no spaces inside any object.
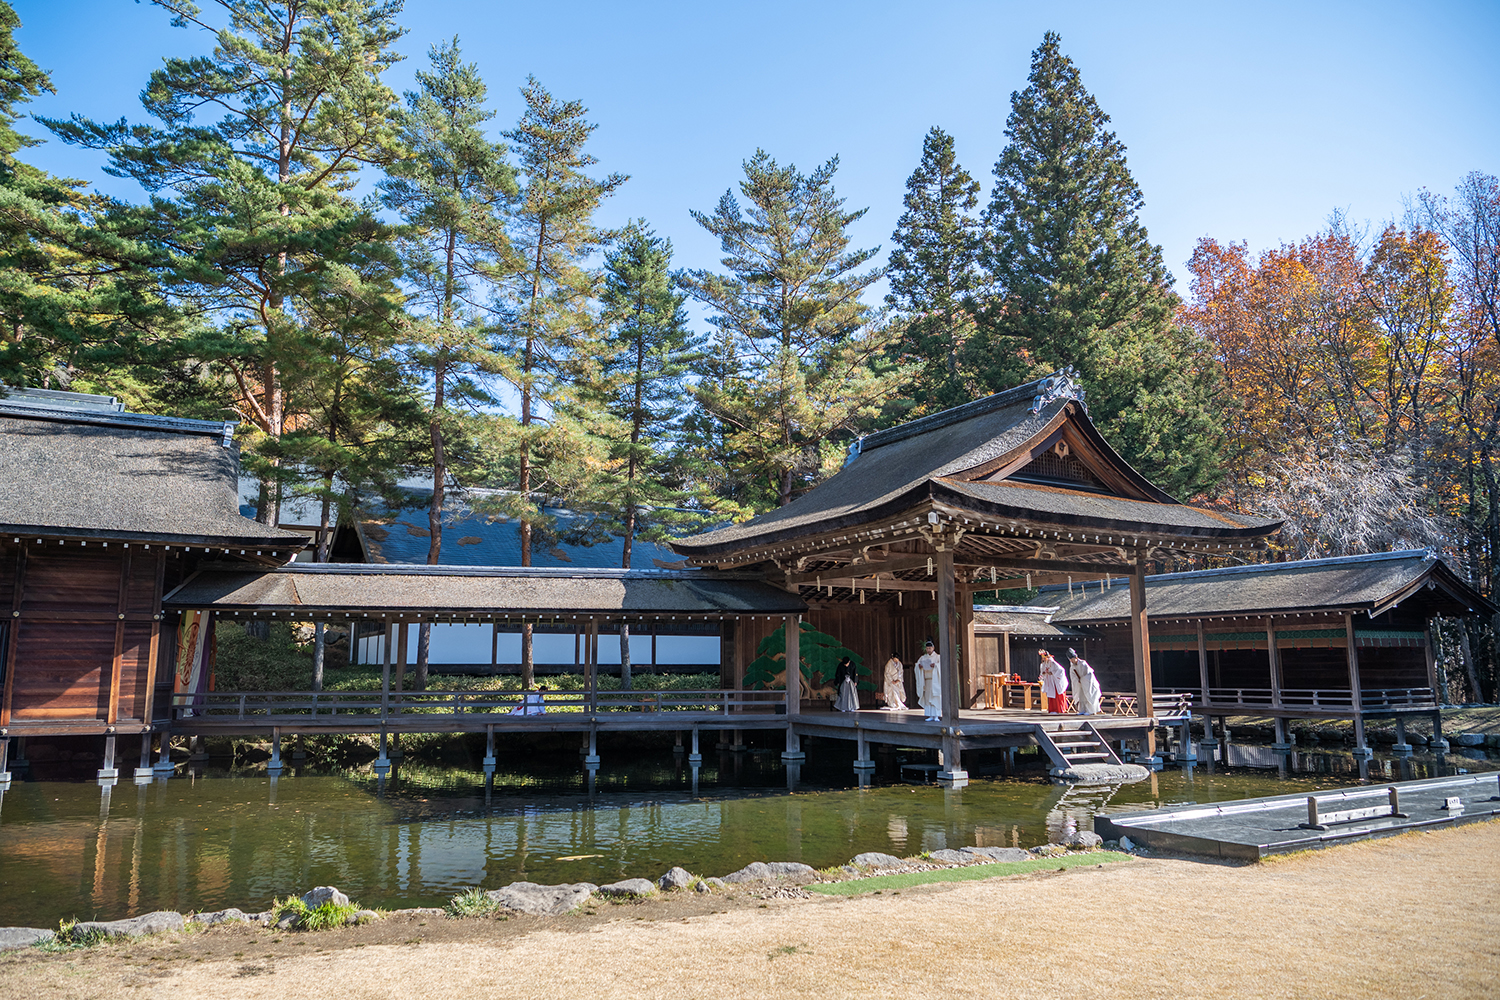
{"x":274,"y":766}
{"x":862,"y":761}
{"x":144,"y":769}
{"x":1362,"y":749}
{"x":109,"y":770}
{"x":1438,"y":743}
{"x":4,"y":761}
{"x":1401,"y":745}
{"x":164,"y":763}
{"x":695,"y":758}
{"x":489,"y":750}
{"x":591,"y":759}
{"x":383,"y":762}
{"x":1281,"y":741}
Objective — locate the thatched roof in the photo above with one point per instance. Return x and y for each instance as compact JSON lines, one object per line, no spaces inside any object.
{"x":1372,"y":584}
{"x":458,"y":592}
{"x":74,"y":471}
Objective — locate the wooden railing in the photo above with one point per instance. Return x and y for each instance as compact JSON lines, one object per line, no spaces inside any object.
{"x":1302,"y":699}
{"x":250,"y":705}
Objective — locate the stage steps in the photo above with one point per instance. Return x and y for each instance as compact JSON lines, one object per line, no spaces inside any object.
{"x":1080,"y":745}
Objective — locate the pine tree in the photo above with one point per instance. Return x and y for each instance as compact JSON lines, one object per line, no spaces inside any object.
{"x":451,"y":191}
{"x":1078,"y":282}
{"x":251,"y":211}
{"x":646,"y":358}
{"x":77,"y":310}
{"x":807,"y":360}
{"x":933,"y":273}
{"x":552,"y":327}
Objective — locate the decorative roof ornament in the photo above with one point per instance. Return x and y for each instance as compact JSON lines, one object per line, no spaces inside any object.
{"x":1063,"y":385}
{"x":855,"y":447}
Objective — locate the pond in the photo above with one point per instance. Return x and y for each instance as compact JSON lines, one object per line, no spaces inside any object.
{"x":209,"y":838}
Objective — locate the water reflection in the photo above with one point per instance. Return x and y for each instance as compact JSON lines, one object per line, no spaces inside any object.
{"x":418,"y":834}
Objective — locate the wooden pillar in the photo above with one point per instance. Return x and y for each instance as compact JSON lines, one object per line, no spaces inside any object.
{"x":385,"y":675}
{"x":1432,"y":678}
{"x":495,"y":647}
{"x":153,"y":648}
{"x":968,"y":651}
{"x":948,"y":653}
{"x":401,"y":639}
{"x":1208,"y":722}
{"x":1140,"y":647}
{"x":947,"y":637}
{"x":729,"y":675}
{"x":1356,"y":695}
{"x":1004,"y":654}
{"x":1273,"y":659}
{"x":112,"y":711}
{"x":108,"y":770}
{"x":13,"y":639}
{"x":793,"y":752}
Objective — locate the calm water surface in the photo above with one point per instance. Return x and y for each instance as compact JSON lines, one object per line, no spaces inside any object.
{"x":215,"y":838}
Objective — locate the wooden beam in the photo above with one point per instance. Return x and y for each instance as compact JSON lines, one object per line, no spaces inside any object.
{"x":1203,"y":675}
{"x":112,"y":712}
{"x":1356,"y":700}
{"x":968,"y":651}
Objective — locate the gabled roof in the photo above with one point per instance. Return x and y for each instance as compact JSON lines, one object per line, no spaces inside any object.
{"x":1373,"y":584}
{"x":976,"y":457}
{"x":1023,"y":621}
{"x":457,"y":592}
{"x":98,"y":472}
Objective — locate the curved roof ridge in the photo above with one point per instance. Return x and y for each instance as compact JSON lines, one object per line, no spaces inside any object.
{"x":953,"y":415}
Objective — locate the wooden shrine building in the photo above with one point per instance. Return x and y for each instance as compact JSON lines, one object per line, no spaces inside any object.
{"x":1340,"y":638}
{"x":101,"y":512}
{"x":1017,"y":488}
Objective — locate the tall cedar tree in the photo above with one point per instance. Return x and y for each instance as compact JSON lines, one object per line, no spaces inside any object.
{"x":451,"y":191}
{"x":933,"y":274}
{"x":1077,"y":282}
{"x":645,"y":362}
{"x":807,"y":360}
{"x":552,"y":329}
{"x":251,"y":209}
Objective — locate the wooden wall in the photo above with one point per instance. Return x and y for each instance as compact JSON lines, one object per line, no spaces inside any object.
{"x":84,"y":631}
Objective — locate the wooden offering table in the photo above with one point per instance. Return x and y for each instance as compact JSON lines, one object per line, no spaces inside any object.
{"x":1001,"y":692}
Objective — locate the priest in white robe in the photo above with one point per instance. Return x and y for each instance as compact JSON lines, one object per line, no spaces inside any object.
{"x":930,"y":683}
{"x":1086,"y":694}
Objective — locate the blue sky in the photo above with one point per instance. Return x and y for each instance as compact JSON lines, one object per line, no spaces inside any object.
{"x":1243,"y":121}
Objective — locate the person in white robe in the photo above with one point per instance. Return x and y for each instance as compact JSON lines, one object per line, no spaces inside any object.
{"x":1054,"y":684}
{"x":532,"y":703}
{"x":848,"y":689}
{"x":1086,"y":693}
{"x":930,"y":682}
{"x":894,"y":690}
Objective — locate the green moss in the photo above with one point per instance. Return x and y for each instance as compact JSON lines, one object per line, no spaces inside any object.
{"x":967,"y":873}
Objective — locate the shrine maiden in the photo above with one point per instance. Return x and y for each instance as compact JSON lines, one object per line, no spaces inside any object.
{"x":1054,"y":684}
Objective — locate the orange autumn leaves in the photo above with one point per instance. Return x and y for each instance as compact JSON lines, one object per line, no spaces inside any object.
{"x":1334,"y":356}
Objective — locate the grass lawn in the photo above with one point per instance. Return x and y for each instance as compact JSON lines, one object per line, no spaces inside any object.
{"x":966,"y":873}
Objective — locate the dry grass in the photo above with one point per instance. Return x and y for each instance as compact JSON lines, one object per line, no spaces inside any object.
{"x":1412,"y":916}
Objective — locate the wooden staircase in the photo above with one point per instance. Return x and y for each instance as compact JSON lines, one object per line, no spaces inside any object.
{"x":1081,"y":745}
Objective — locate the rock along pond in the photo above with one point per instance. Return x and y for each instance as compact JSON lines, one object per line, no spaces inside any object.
{"x":209,"y":838}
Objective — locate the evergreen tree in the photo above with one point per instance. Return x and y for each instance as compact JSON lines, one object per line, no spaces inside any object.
{"x":76,"y":311}
{"x":934,"y":272}
{"x":807,"y":365}
{"x":250,"y":211}
{"x":646,"y":358}
{"x":451,"y":191}
{"x":552,"y":328}
{"x":1078,"y":282}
